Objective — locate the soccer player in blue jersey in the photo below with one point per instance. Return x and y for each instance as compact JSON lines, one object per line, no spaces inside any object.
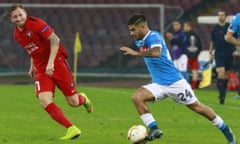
{"x":223,"y":55}
{"x":234,"y":30}
{"x":167,"y":81}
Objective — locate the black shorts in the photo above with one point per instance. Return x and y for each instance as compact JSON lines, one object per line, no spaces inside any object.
{"x":224,"y":60}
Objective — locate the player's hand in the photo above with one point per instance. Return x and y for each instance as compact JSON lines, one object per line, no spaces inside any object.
{"x":235,"y":53}
{"x":31,"y":73}
{"x":49,"y":69}
{"x":127,"y":50}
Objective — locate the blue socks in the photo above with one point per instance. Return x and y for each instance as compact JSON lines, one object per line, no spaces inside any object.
{"x":223,"y":126}
{"x":153,"y":125}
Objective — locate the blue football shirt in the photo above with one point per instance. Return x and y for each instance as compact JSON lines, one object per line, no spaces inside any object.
{"x":161,"y":69}
{"x":235,"y":25}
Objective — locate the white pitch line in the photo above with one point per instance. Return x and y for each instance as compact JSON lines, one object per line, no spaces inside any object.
{"x":112,"y":91}
{"x":224,"y":106}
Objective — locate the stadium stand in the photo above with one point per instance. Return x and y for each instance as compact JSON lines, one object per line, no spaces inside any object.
{"x":100,"y":45}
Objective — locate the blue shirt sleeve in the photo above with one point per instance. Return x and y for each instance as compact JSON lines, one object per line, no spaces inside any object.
{"x":234,"y":27}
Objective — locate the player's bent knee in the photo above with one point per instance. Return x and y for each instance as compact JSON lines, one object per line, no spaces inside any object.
{"x":137,"y":97}
{"x":73,"y":100}
{"x":45,"y":98}
{"x":44,"y":103}
{"x":141,"y":95}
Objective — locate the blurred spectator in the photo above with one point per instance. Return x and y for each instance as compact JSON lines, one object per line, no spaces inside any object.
{"x":193,"y":50}
{"x":223,"y":55}
{"x":236,"y":66}
{"x":178,"y":42}
{"x":233,"y":75}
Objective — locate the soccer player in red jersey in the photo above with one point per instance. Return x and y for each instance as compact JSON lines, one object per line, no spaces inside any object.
{"x":49,"y":67}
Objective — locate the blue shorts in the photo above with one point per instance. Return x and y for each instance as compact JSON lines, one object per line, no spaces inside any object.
{"x":224,"y":60}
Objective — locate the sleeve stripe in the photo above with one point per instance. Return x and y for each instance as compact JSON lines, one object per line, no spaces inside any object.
{"x":45,"y":28}
{"x":156,"y":45}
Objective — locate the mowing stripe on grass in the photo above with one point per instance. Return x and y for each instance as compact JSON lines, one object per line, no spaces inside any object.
{"x":116,"y":91}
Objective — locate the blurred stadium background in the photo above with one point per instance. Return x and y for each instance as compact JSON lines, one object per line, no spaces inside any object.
{"x":102,"y":31}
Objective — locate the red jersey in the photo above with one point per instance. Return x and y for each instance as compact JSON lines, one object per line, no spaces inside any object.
{"x":34,"y":39}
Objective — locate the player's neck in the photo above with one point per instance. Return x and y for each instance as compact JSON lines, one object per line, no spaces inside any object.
{"x":146,"y":31}
{"x":222,"y":23}
{"x":20,"y":28}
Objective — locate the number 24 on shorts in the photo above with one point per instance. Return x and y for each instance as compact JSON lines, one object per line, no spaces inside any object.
{"x":185,"y":96}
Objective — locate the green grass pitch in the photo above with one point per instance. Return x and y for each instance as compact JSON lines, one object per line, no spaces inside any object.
{"x":23,"y":121}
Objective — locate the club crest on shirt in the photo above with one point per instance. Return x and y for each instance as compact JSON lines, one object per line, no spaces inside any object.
{"x":144,"y":48}
{"x":72,"y":84}
{"x":29,"y":34}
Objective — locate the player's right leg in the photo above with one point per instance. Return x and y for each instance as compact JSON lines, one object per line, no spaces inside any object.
{"x":221,"y":78}
{"x":72,"y":133}
{"x":57,"y":114}
{"x":182,"y":93}
{"x":139,"y":98}
{"x":215,"y":119}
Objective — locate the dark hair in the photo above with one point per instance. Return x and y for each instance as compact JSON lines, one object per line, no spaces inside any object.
{"x":136,"y":19}
{"x":14,"y":7}
{"x":177,"y":20}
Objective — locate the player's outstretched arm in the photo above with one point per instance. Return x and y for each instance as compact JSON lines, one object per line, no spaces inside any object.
{"x":129,"y":51}
{"x":231,"y":39}
{"x":153,"y":52}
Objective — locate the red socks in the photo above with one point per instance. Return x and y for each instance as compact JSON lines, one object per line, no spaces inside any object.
{"x":194,"y":84}
{"x":81,"y":99}
{"x":57,"y":114}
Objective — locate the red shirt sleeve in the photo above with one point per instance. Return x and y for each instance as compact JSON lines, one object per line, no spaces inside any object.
{"x":43,"y":29}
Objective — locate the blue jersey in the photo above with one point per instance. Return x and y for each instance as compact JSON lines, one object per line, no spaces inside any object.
{"x":235,"y":25}
{"x":161,"y":69}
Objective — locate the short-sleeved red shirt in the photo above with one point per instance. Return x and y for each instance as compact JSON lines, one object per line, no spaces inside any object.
{"x":34,"y":39}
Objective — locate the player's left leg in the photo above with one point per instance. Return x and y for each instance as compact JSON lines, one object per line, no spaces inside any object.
{"x":223,"y":63}
{"x":64,"y":81}
{"x":221,"y":83}
{"x":80,"y":99}
{"x":217,"y":121}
